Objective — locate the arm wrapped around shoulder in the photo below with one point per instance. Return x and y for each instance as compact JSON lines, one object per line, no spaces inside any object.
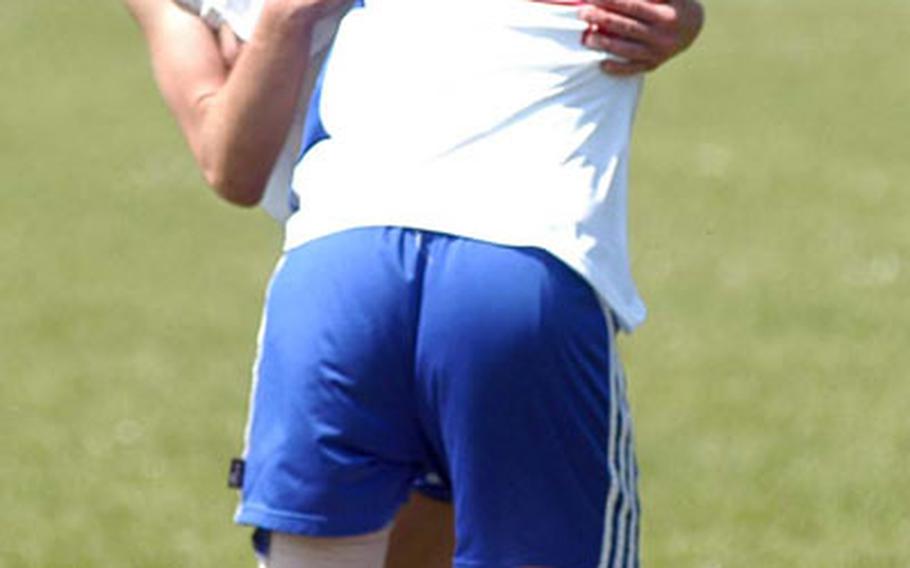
{"x":246,"y":132}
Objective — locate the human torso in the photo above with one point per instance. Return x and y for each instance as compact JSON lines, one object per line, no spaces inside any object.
{"x":482,"y":118}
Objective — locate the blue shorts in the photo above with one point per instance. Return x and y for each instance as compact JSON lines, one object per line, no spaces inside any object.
{"x":483,"y":373}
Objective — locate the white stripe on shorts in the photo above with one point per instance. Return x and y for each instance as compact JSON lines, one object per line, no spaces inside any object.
{"x":256,"y":363}
{"x":621,"y":545}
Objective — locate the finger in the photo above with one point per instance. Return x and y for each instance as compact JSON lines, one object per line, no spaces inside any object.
{"x":631,"y":51}
{"x":624,"y":68}
{"x":644,"y":11}
{"x":616,"y":24}
{"x":691,"y":17}
{"x":229,"y":44}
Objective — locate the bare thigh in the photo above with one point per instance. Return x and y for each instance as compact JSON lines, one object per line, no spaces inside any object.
{"x":423,"y":535}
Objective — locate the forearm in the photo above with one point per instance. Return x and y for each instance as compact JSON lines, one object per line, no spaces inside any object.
{"x":244,"y":124}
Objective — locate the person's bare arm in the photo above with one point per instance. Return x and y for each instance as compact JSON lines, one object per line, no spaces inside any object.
{"x":234,"y":118}
{"x":645,"y":33}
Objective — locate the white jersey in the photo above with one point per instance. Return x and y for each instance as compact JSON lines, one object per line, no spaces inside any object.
{"x":486,"y":119}
{"x":482,"y":118}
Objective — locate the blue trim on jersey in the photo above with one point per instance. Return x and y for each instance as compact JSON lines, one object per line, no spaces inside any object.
{"x":314,"y":130}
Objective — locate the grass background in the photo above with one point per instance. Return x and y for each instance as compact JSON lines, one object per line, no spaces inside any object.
{"x":772,"y":243}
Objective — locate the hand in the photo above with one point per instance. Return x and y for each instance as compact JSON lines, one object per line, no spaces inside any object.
{"x":644,"y":33}
{"x":307,"y":9}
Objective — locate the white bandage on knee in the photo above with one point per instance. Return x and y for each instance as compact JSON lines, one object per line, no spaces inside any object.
{"x":294,"y":551}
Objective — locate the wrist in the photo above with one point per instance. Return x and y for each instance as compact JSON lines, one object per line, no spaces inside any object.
{"x":284,"y":18}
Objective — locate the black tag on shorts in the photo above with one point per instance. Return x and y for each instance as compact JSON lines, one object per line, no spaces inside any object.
{"x":235,"y":475}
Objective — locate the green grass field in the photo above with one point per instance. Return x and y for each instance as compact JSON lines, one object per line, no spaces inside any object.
{"x":772,"y":243}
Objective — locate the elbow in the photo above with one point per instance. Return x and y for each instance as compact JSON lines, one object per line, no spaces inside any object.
{"x":227,"y":169}
{"x":233,"y":187}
